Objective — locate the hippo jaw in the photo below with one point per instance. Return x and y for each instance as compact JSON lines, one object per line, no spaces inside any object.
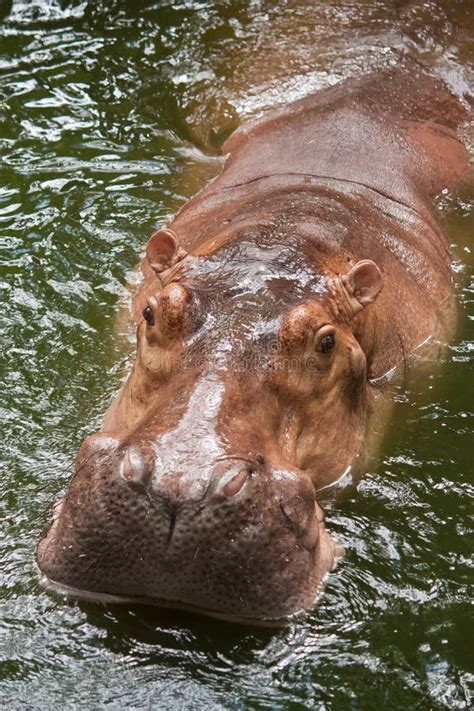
{"x":246,"y":543}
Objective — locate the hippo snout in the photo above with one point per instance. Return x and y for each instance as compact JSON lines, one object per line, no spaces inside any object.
{"x":240,"y":537}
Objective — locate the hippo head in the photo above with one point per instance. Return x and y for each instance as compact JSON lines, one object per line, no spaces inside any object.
{"x":248,"y":393}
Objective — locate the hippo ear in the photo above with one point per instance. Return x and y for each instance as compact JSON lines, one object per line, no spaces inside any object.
{"x":163,"y":250}
{"x":363,"y":284}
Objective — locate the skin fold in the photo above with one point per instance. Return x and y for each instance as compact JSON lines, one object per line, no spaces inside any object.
{"x":269,"y":309}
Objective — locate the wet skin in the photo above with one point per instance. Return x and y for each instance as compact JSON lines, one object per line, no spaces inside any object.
{"x":268,"y":309}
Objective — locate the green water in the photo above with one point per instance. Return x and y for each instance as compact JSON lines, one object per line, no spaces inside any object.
{"x":109,"y":116}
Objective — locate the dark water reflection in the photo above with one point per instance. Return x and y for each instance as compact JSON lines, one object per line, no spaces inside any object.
{"x":110,"y":115}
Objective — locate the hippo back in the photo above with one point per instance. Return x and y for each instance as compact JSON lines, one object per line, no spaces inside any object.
{"x":354,"y":168}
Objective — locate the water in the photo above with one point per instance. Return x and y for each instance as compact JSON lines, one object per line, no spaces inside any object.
{"x":110,"y":116}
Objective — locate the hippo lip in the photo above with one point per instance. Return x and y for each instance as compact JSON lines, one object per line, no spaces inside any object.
{"x":52,"y":586}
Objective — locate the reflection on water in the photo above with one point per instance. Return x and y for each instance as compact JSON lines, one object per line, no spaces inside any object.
{"x":111,"y":113}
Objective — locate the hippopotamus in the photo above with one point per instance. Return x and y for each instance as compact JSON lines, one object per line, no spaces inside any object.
{"x":270,"y":313}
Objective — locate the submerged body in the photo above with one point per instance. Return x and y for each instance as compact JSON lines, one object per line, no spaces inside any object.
{"x":269,"y":308}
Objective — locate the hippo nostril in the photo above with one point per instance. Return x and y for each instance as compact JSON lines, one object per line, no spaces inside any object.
{"x":136,"y":468}
{"x":236,"y":483}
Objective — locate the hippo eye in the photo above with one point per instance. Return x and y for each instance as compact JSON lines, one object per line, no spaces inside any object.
{"x":327,"y":343}
{"x":148,"y":315}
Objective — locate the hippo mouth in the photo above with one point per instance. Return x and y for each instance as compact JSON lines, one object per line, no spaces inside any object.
{"x":328,"y":556}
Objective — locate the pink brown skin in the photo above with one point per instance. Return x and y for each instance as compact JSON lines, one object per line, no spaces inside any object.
{"x":308,"y":269}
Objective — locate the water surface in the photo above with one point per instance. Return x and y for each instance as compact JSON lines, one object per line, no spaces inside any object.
{"x":111,"y":113}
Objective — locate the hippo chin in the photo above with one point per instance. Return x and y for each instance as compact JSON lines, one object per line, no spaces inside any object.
{"x":268,"y":310}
